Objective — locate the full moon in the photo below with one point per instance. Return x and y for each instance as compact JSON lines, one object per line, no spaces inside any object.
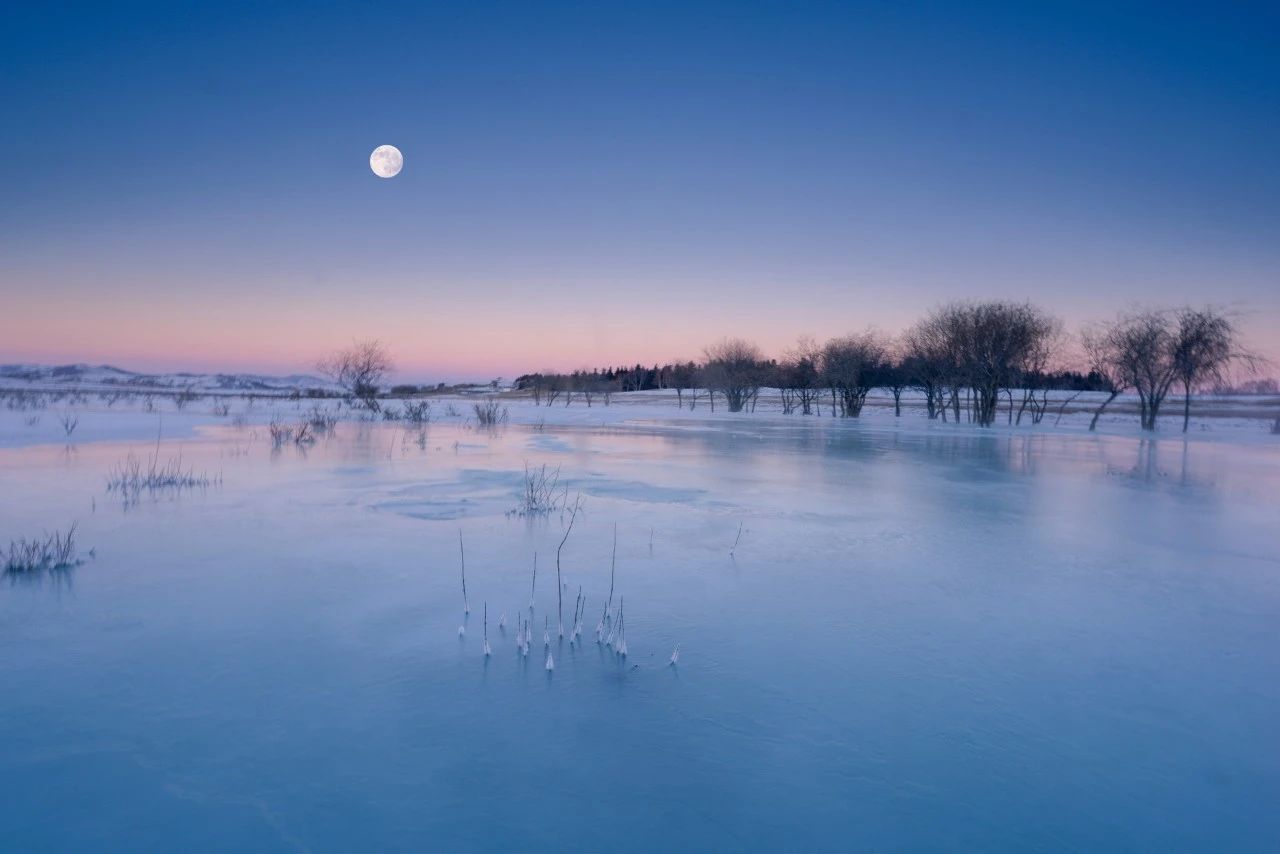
{"x":386,"y":161}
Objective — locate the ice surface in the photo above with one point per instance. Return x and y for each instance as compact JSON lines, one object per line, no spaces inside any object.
{"x":927,"y":638}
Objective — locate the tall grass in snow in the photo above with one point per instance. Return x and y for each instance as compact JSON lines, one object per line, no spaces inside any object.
{"x":52,"y":551}
{"x":542,"y":494}
{"x":490,"y":414}
{"x":130,"y":478}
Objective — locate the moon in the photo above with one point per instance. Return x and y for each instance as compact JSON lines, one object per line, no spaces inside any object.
{"x":386,"y":161}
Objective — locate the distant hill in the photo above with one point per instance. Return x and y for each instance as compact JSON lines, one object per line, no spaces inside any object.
{"x":84,"y":376}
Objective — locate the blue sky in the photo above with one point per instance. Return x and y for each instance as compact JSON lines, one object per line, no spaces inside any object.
{"x":187,"y":184}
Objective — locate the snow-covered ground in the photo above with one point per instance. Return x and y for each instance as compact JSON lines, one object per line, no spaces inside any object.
{"x":42,"y":417}
{"x":107,"y":379}
{"x":895,"y":633}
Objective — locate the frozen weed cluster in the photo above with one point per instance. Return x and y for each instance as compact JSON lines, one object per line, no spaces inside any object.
{"x":131,"y":478}
{"x":542,"y":494}
{"x":52,"y":551}
{"x":490,"y":414}
{"x":417,"y":411}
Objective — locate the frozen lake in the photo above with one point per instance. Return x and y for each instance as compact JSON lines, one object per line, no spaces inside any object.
{"x":929,"y":639}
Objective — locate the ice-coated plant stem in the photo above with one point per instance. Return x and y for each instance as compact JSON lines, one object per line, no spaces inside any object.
{"x":734,"y":547}
{"x":577,"y":505}
{"x":621,"y":648}
{"x":675,"y":656}
{"x":487,"y":651}
{"x":533,"y":588}
{"x":613,"y":568}
{"x":466,"y":609}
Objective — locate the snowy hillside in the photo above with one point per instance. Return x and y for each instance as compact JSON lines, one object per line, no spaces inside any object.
{"x":97,"y":377}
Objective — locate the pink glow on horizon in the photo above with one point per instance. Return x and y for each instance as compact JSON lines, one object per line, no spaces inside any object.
{"x":281,"y":336}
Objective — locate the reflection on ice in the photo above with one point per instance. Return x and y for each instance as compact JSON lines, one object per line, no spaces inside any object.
{"x":1074,"y":633}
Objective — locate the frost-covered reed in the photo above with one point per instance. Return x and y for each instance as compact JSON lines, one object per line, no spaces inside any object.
{"x":130,"y":477}
{"x":579,"y":605}
{"x":490,"y":413}
{"x":69,"y":421}
{"x":462,"y":554}
{"x":621,"y":648}
{"x":733,"y":548}
{"x":611,"y":628}
{"x":417,"y":411}
{"x":573,"y":517}
{"x":301,"y":434}
{"x":55,"y":550}
{"x":613,"y":571}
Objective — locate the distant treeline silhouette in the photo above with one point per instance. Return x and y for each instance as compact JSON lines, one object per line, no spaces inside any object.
{"x":966,"y":358}
{"x":658,"y":377}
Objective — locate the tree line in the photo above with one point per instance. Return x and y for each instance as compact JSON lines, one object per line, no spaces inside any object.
{"x":971,"y":360}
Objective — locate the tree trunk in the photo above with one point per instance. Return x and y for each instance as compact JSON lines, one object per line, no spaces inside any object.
{"x":1186,"y":406}
{"x":1098,"y":411}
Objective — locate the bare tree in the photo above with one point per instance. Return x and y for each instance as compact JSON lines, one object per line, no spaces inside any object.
{"x":1102,"y":347}
{"x":734,"y":369}
{"x":683,"y":375}
{"x":552,"y":385}
{"x":927,"y":362}
{"x":849,"y":367}
{"x":566,"y":383}
{"x":1005,"y":339}
{"x":1031,"y":370}
{"x":894,"y":375}
{"x":1147,"y":357}
{"x":535,"y":386}
{"x":1138,"y":349}
{"x":1204,"y":346}
{"x":358,"y":369}
{"x":982,"y":349}
{"x":1150,"y":350}
{"x":799,"y":376}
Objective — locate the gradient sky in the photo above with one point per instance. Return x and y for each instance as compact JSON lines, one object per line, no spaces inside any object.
{"x":187,"y":185}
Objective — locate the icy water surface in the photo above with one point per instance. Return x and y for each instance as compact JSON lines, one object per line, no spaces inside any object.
{"x":922,"y":641}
